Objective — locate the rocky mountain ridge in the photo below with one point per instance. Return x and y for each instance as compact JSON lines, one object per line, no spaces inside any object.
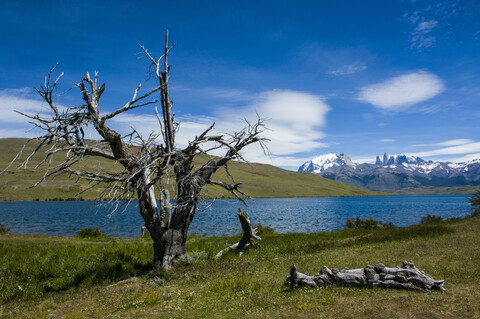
{"x":391,"y":173}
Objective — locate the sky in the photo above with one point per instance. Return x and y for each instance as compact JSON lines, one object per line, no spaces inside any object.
{"x":354,"y":77}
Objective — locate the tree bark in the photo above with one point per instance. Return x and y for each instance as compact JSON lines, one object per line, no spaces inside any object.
{"x":406,"y":277}
{"x":247,"y":239}
{"x":171,"y":243}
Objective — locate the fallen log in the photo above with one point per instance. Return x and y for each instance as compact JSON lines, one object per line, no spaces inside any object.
{"x":247,"y":239}
{"x":406,"y":277}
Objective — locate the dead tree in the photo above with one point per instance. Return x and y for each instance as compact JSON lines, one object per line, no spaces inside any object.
{"x":146,"y":162}
{"x":248,"y":236}
{"x":406,"y":277}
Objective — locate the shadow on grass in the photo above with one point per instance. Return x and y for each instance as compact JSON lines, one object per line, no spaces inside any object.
{"x":118,"y":267}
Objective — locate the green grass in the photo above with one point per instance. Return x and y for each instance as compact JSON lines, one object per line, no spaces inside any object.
{"x":258,"y":180}
{"x":67,"y":277}
{"x":34,"y":265}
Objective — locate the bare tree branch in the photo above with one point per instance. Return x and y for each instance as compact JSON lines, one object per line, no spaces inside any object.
{"x":146,"y":163}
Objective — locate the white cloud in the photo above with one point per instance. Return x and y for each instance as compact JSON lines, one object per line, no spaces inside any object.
{"x":295,"y":121}
{"x":147,"y":124}
{"x":452,"y":150}
{"x":348,"y":69}
{"x":387,"y":140}
{"x":402,"y":91}
{"x":421,"y":35}
{"x":455,"y":142}
{"x":22,"y":100}
{"x":465,"y":158}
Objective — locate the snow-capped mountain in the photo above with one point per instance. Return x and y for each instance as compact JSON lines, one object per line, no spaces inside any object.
{"x":320,"y":163}
{"x":393,"y":172}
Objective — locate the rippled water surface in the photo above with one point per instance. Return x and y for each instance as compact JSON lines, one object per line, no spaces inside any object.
{"x":282,"y":214}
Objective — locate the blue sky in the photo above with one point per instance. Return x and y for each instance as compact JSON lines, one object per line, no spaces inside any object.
{"x":354,"y":77}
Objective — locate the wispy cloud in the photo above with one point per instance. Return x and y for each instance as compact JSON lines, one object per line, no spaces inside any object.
{"x":460,"y":141}
{"x":398,"y":93}
{"x":21,"y":100}
{"x":387,"y":140}
{"x":422,"y":36}
{"x":465,"y":158}
{"x":452,"y":150}
{"x":434,"y":20}
{"x":348,"y":69}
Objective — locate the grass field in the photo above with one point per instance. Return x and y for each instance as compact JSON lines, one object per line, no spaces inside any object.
{"x":69,"y":277}
{"x":258,"y":180}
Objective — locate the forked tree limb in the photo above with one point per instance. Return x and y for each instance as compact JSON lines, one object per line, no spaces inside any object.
{"x":247,"y":239}
{"x":147,"y":162}
{"x":406,"y":277}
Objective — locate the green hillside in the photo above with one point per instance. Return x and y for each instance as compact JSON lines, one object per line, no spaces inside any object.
{"x":258,"y":180}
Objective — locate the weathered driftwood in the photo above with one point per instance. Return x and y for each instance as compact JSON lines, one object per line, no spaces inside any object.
{"x":247,"y":238}
{"x":406,"y":277}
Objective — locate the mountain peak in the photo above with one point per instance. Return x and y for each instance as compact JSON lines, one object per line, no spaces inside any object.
{"x":398,"y":160}
{"x":322,"y":162}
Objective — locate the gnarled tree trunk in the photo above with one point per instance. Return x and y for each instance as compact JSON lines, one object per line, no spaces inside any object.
{"x":169,"y":233}
{"x":406,"y":277}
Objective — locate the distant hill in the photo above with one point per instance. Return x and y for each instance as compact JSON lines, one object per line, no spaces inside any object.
{"x":394,"y":173}
{"x":258,"y":180}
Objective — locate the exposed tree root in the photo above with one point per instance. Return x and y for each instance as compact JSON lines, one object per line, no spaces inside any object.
{"x":247,"y":239}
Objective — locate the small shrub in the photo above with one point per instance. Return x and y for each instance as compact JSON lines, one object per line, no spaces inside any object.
{"x":369,"y":223}
{"x":476,"y":213}
{"x":158,"y":281}
{"x":350,"y":223}
{"x":475,"y":202}
{"x":91,"y":233}
{"x":388,"y":225}
{"x":431,"y":219}
{"x":260,"y":229}
{"x":475,"y":199}
{"x":190,"y":258}
{"x":4,"y":230}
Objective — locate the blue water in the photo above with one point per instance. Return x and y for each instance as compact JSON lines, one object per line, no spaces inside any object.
{"x":282,"y":214}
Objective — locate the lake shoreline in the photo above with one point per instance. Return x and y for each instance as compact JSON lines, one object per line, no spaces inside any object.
{"x":218,"y":218}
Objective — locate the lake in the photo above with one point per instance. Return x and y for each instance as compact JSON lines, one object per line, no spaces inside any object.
{"x":219,"y":217}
